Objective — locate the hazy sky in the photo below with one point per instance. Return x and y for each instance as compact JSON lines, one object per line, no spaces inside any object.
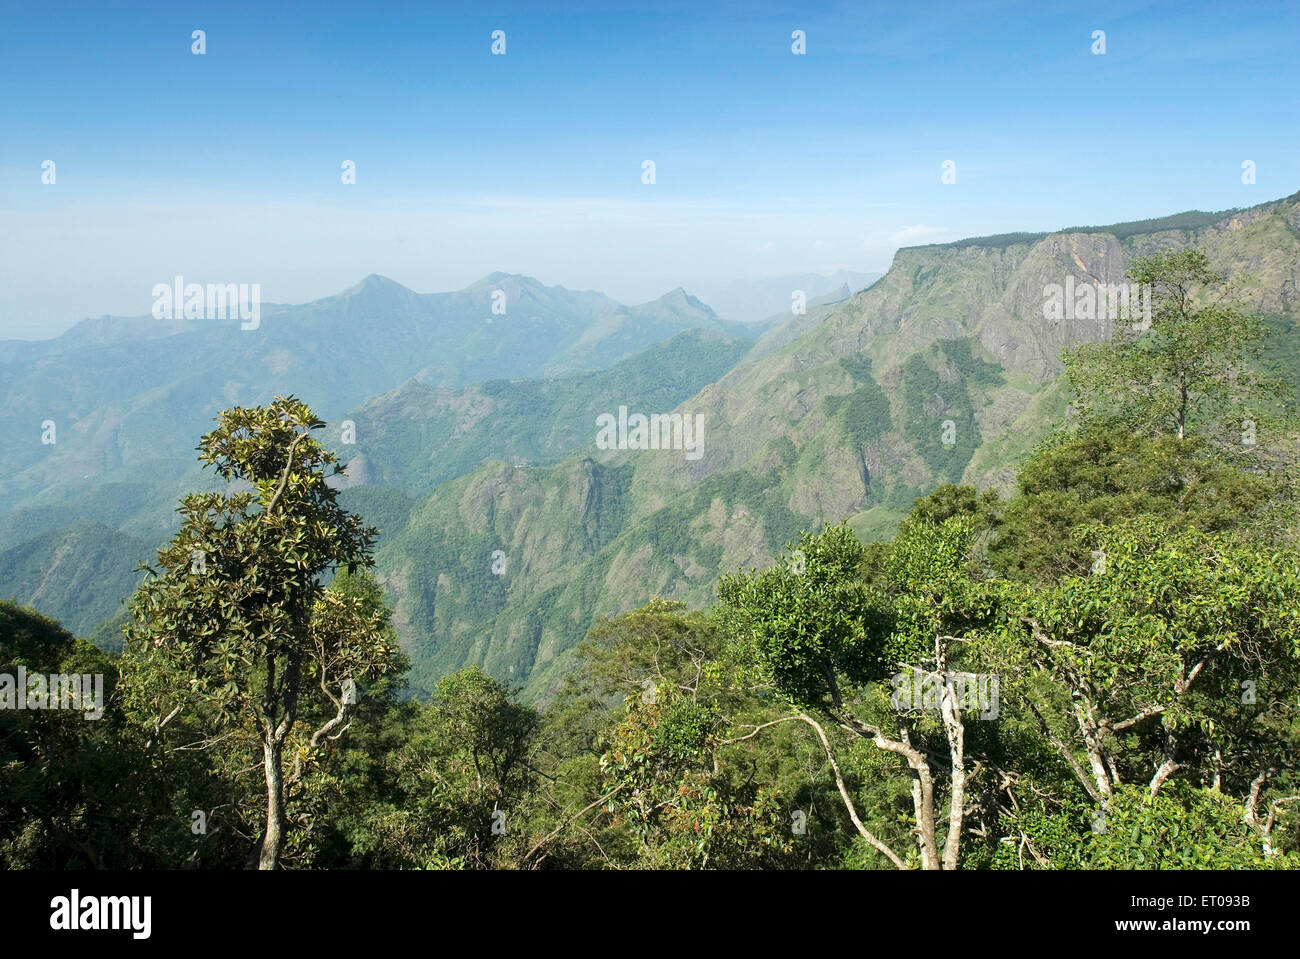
{"x":226,"y":167}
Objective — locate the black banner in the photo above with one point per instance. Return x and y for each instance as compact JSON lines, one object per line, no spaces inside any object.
{"x":356,"y":909}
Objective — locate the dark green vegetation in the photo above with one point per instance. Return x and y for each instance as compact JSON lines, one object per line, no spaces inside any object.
{"x":939,"y":411}
{"x":1098,"y":670}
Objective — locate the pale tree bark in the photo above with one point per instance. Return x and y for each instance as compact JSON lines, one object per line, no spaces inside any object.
{"x":1088,"y":783}
{"x":1101,"y":773}
{"x":922,"y":798}
{"x":923,"y":780}
{"x":950,"y":709}
{"x":268,"y":856}
{"x":273,"y":737}
{"x":848,"y":801}
{"x":1168,"y":767}
{"x":1252,"y":818}
{"x":277,"y":787}
{"x":1104,"y":778}
{"x":918,"y":762}
{"x":1095,"y":732}
{"x":1182,"y":404}
{"x":273,"y":732}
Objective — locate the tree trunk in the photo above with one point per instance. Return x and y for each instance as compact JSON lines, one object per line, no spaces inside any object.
{"x":922,"y":801}
{"x":1092,"y":743}
{"x":925,"y":821}
{"x":951,"y":710}
{"x":269,"y":857}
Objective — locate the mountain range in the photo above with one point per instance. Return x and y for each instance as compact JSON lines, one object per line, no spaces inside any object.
{"x":946,"y":369}
{"x":506,"y":531}
{"x":130,"y":396}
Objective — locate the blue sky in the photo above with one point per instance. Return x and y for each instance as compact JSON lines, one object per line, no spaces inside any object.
{"x":226,"y":167}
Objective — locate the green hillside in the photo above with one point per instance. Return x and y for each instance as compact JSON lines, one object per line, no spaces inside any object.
{"x":80,"y":574}
{"x":418,"y":436}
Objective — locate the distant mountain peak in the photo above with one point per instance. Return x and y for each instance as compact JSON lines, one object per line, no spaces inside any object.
{"x":679,"y":299}
{"x":500,"y":278}
{"x":375,"y":283}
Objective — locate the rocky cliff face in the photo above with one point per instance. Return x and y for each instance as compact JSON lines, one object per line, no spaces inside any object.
{"x":991,"y":291}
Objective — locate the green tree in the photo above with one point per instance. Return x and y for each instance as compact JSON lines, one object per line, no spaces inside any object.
{"x":457,"y":787}
{"x":232,"y":627}
{"x":664,"y":778}
{"x":639,"y":772}
{"x":1188,"y":370}
{"x":1182,"y":827}
{"x":1176,"y":658}
{"x":830,"y":643}
{"x":949,"y":499}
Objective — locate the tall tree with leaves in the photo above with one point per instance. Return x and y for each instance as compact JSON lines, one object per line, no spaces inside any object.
{"x":825,"y":639}
{"x":233,"y":629}
{"x":1186,"y":371}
